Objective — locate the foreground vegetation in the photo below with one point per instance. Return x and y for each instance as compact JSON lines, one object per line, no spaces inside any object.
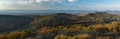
{"x":99,"y":31}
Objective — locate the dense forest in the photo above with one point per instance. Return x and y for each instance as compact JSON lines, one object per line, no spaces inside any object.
{"x":97,"y":25}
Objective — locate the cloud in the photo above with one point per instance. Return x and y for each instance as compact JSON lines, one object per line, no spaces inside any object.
{"x":71,"y":0}
{"x":50,"y":1}
{"x":6,"y":2}
{"x":37,"y":5}
{"x":41,"y":0}
{"x":35,"y":1}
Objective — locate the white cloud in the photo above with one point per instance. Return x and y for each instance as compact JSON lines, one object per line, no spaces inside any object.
{"x":41,"y":0}
{"x":71,"y":0}
{"x":23,"y":2}
{"x":6,"y":2}
{"x":34,"y":5}
{"x":35,"y":1}
{"x":51,"y":1}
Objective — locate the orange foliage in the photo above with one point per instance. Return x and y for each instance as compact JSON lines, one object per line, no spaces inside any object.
{"x":46,"y":30}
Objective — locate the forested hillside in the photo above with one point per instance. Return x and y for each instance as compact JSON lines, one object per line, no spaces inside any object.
{"x":97,"y":25}
{"x":10,"y":23}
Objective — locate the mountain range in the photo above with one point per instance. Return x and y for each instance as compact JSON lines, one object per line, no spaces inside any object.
{"x":12,"y":23}
{"x":46,"y":12}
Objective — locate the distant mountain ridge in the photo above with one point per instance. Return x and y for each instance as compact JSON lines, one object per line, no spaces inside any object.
{"x":46,"y":12}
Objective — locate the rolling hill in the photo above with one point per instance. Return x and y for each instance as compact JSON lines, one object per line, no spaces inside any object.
{"x":61,"y":19}
{"x":60,"y":25}
{"x":10,"y":23}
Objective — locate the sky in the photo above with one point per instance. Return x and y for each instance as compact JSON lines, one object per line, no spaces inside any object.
{"x":60,"y":5}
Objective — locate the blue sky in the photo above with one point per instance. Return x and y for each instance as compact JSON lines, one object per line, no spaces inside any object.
{"x":60,"y":5}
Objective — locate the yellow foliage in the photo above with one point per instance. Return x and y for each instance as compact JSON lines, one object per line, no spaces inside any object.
{"x":106,"y":37}
{"x":46,"y":30}
{"x":61,"y":37}
{"x":80,"y":36}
